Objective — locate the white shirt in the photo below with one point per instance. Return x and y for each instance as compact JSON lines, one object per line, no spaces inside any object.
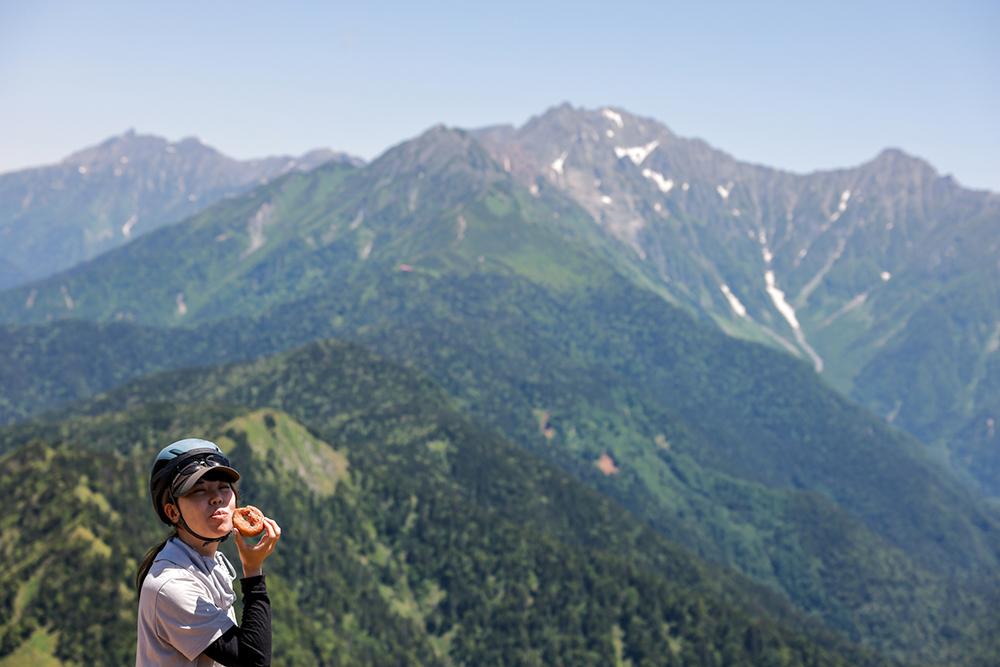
{"x":186,"y":604}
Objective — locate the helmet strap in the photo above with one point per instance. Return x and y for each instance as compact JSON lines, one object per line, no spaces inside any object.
{"x":208,"y":540}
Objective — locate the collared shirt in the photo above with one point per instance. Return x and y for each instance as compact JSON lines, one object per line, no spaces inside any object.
{"x":185,"y":605}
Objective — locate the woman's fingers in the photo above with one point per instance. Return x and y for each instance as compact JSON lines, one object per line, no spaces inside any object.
{"x":271,"y":535}
{"x":273,"y":529}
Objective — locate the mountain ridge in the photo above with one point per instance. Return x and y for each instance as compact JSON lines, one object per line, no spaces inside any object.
{"x":830,"y":265}
{"x":54,"y":216}
{"x":506,"y":295}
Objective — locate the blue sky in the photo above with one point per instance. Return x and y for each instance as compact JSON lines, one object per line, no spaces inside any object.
{"x":800,"y":86}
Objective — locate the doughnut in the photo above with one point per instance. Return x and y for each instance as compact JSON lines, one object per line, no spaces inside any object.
{"x":249,"y":521}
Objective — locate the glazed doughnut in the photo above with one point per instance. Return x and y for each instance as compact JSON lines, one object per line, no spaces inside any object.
{"x":249,"y":521}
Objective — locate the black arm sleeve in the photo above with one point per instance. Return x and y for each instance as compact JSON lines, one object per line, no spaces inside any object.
{"x":247,"y":644}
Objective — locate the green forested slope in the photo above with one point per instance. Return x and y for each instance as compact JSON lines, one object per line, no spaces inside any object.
{"x":822,"y":558}
{"x":377,"y":565}
{"x":435,"y":258}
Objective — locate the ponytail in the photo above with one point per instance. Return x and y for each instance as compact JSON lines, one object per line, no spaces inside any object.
{"x":147,"y":561}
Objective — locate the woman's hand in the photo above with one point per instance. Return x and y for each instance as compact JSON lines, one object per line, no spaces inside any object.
{"x":253,"y":555}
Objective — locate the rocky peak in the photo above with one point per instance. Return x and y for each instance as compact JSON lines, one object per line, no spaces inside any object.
{"x":439,"y":154}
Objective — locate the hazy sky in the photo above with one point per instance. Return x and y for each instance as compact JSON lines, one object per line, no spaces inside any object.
{"x":797,"y":85}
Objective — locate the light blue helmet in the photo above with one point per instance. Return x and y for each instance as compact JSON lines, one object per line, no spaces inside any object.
{"x":179,"y":465}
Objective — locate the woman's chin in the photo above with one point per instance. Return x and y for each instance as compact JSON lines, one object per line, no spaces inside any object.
{"x":219,"y":527}
{"x":223,"y":527}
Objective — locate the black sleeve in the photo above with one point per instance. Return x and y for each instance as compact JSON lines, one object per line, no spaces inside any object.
{"x":247,"y":644}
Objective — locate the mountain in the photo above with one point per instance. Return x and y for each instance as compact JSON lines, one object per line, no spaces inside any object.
{"x":435,"y":256}
{"x":54,"y":217}
{"x":884,"y":277}
{"x":410,"y":535}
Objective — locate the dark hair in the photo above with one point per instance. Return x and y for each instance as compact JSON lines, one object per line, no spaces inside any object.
{"x":147,"y":561}
{"x":146,"y":564}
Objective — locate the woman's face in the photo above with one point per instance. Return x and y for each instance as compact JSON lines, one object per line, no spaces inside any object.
{"x":208,"y":509}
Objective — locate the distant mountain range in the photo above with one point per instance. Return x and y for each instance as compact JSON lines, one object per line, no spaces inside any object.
{"x":885,"y":277}
{"x":582,"y":325}
{"x":52,"y":218}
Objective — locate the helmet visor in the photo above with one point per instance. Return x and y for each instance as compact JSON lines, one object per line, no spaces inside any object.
{"x":191,"y":470}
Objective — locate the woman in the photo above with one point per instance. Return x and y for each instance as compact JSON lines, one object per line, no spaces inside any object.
{"x":185,"y":584}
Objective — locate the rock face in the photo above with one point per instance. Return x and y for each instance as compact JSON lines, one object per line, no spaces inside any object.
{"x":884,"y":277}
{"x":52,"y":218}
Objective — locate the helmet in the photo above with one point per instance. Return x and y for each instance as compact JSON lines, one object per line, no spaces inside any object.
{"x":179,"y":465}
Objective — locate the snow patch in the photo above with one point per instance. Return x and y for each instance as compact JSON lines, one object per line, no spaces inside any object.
{"x":124,"y":160}
{"x":842,"y":206}
{"x":778,"y":297}
{"x":506,"y":164}
{"x":118,"y":172}
{"x":734,"y":303}
{"x":766,"y":254}
{"x":685,"y":187}
{"x":82,"y":169}
{"x":844,"y":196}
{"x":192,"y":197}
{"x":885,"y":275}
{"x":181,"y":306}
{"x":129,"y":224}
{"x":637,"y":153}
{"x":557,"y":165}
{"x":171,"y":149}
{"x":30,"y":303}
{"x":724,"y":190}
{"x":665,"y":184}
{"x":657,"y":207}
{"x":616,"y":117}
{"x":462,"y":226}
{"x":606,"y":199}
{"x":67,"y":298}
{"x":533,"y":189}
{"x":368,"y":249}
{"x":609,"y":133}
{"x":736,"y":212}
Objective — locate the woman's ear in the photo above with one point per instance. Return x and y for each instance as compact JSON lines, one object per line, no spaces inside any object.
{"x":172,"y":513}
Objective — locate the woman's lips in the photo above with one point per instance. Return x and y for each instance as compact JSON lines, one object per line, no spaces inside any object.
{"x":220,"y":515}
